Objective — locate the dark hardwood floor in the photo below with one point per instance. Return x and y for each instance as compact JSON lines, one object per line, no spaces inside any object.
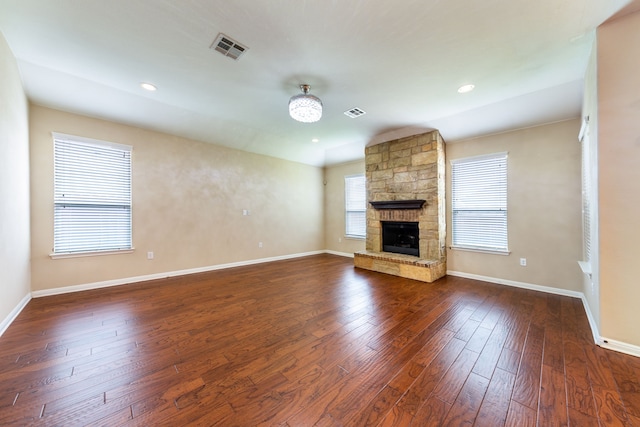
{"x":311,"y":341}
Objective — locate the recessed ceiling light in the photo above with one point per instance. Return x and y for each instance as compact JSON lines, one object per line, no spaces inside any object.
{"x":148,"y":86}
{"x":466,"y":88}
{"x":315,"y":140}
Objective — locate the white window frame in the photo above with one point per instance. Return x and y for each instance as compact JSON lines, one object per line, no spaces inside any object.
{"x":587,"y":202}
{"x":355,"y":206}
{"x":92,"y":197}
{"x":479,"y":203}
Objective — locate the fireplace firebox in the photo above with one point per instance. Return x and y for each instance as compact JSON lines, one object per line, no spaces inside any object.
{"x":401,"y":237}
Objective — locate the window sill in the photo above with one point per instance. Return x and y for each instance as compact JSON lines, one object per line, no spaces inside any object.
{"x":355,"y":237}
{"x":87,"y":254}
{"x":586,"y":267}
{"x":481,"y":250}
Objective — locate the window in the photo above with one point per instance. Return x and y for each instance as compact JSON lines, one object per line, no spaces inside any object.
{"x":588,"y":224}
{"x":479,"y":203}
{"x":587,"y":190}
{"x":92,"y":196}
{"x":355,"y":206}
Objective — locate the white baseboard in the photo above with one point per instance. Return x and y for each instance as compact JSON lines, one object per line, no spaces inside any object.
{"x":601,"y":341}
{"x":344,"y":254}
{"x":14,"y":313}
{"x":531,"y":286}
{"x":618,"y":346}
{"x":128,"y":280}
{"x":592,"y":320}
{"x":610,"y":344}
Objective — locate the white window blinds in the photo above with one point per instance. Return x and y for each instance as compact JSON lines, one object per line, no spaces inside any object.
{"x":92,"y":195}
{"x":587,"y":190}
{"x":479,"y":202}
{"x":355,"y":206}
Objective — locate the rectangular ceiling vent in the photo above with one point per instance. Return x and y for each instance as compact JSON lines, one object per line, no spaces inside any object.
{"x":354,"y":112}
{"x":228,"y":47}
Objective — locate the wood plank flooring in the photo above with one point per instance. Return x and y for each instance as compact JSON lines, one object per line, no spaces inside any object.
{"x":311,"y":341}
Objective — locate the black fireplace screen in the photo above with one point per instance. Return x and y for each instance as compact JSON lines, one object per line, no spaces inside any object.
{"x":401,"y":237}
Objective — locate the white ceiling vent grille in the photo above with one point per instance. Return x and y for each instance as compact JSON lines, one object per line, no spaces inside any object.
{"x":228,"y":47}
{"x":354,"y":112}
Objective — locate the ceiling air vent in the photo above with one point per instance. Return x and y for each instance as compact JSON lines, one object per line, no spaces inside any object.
{"x":228,"y":47}
{"x":354,"y":112}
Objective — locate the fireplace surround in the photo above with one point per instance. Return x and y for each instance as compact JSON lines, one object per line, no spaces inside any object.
{"x":405,"y":184}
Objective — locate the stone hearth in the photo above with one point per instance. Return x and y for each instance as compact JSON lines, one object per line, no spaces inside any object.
{"x":407,"y":169}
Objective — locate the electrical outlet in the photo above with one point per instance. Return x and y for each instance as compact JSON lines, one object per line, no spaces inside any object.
{"x":259,"y":244}
{"x":339,"y":239}
{"x":149,"y":255}
{"x":523,"y":262}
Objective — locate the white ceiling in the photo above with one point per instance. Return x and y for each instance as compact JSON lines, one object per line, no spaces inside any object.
{"x":400,"y":61}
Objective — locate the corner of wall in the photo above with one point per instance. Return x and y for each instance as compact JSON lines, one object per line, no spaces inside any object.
{"x":15,"y":237}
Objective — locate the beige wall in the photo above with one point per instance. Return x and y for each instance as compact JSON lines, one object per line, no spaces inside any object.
{"x":187,"y":206}
{"x":14,"y":186}
{"x":334,"y":208}
{"x":619,"y":177}
{"x":544,"y":206}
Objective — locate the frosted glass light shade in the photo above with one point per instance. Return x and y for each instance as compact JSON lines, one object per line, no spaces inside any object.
{"x":305,"y":108}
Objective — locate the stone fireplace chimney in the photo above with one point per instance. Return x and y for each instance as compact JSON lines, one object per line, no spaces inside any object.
{"x":405,"y":183}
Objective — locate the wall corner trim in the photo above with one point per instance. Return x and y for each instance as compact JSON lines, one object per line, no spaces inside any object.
{"x":14,"y":313}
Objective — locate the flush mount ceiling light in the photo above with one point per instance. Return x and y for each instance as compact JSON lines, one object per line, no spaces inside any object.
{"x":305,"y":108}
{"x":466,"y":88}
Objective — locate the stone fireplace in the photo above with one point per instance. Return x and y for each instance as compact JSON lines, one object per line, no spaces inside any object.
{"x":405,"y":188}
